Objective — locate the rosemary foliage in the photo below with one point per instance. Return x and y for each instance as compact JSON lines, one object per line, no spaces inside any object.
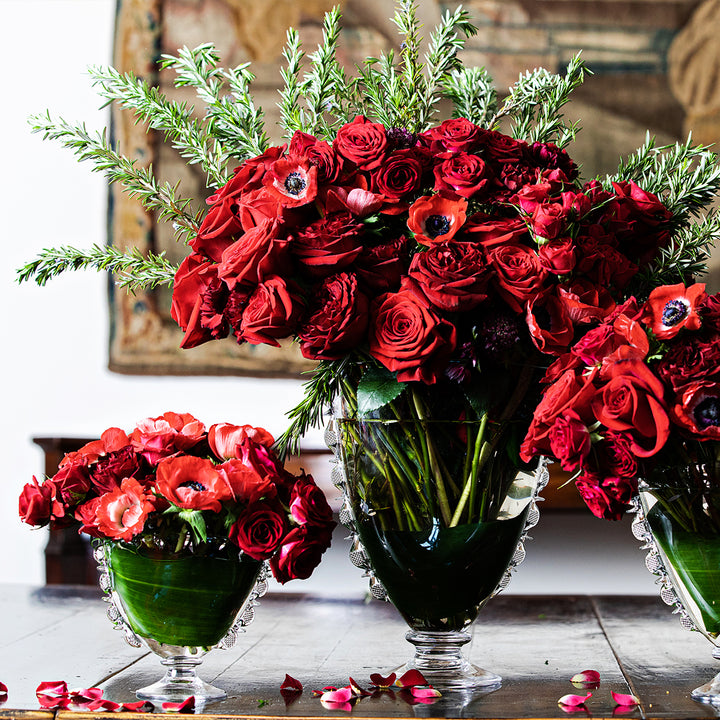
{"x":535,"y":101}
{"x":473,"y":95}
{"x":134,"y":270}
{"x":138,"y":182}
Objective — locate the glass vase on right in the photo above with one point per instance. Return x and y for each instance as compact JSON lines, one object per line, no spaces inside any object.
{"x":678,"y":520}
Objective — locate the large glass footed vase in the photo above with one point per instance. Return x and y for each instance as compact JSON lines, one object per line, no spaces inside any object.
{"x":438,"y":520}
{"x":180,"y":606}
{"x":678,"y":520}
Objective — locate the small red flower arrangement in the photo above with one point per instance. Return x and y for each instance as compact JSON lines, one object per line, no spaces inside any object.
{"x":171,"y":484}
{"x":639,"y":391}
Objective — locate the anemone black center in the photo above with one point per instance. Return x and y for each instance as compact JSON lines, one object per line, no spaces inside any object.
{"x":674,"y":312}
{"x":437,"y":225}
{"x":295,"y":183}
{"x":193,"y":485}
{"x":707,"y":413}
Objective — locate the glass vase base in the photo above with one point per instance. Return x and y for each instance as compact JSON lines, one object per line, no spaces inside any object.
{"x":178,"y":684}
{"x":709,"y":692}
{"x":439,"y":657}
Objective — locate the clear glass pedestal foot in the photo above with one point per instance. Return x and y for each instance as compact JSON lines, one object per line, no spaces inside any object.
{"x":439,"y":657}
{"x":710,"y":691}
{"x":179,"y":683}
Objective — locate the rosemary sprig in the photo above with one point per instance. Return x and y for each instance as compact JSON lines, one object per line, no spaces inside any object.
{"x":472,"y":94}
{"x":134,"y":270}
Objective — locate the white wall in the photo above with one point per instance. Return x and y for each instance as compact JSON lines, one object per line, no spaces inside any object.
{"x":54,"y":339}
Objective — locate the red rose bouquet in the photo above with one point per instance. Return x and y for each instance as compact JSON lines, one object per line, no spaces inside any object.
{"x":637,"y":396}
{"x":433,"y":269}
{"x":172,"y":485}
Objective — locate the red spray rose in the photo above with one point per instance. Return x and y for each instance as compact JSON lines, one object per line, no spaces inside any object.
{"x":607,"y":498}
{"x":462,"y":174}
{"x":259,"y":529}
{"x":569,"y":440}
{"x":300,"y":552}
{"x":407,"y":337}
{"x":337,"y":320}
{"x":36,"y":503}
{"x":308,"y":505}
{"x":518,"y":274}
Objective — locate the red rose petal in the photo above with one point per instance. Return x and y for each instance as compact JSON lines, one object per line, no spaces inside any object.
{"x":290,"y":683}
{"x":357,"y":690}
{"x":102,"y":705}
{"x":3,"y":689}
{"x":624,"y":700}
{"x":410,"y":678}
{"x":141,"y":706}
{"x":344,"y":706}
{"x":186,"y":706}
{"x":52,"y":688}
{"x":586,"y":676}
{"x":574,"y":700}
{"x":425,"y":692}
{"x":382,"y":682}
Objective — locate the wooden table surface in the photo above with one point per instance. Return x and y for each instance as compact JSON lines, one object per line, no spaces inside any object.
{"x":536,"y":643}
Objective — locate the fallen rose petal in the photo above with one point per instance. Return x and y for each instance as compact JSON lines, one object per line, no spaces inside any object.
{"x":357,"y":690}
{"x":406,"y":694}
{"x":574,"y":700}
{"x":425,"y":692}
{"x":86,"y":695}
{"x":54,"y":702}
{"x":586,"y":678}
{"x":290,"y":683}
{"x":382,"y":682}
{"x":624,"y":700}
{"x":341,"y":695}
{"x":410,"y":678}
{"x":102,"y":705}
{"x":141,"y":706}
{"x":3,"y":689}
{"x":56,"y":688}
{"x":186,"y":706}
{"x":344,"y":706}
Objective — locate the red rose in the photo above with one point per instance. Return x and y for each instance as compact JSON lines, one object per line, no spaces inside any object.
{"x":259,"y":529}
{"x":551,"y":157}
{"x":308,"y":505}
{"x":264,"y":462}
{"x":407,"y":337}
{"x":573,"y":390}
{"x":380,"y":267}
{"x":72,"y":483}
{"x":549,"y":220}
{"x":300,"y":552}
{"x":452,"y":275}
{"x":491,"y":231}
{"x":608,"y":498}
{"x":225,"y":439}
{"x":603,"y":264}
{"x":292,"y":181}
{"x":257,"y":254}
{"x":632,"y":402}
{"x":362,"y":143}
{"x":191,"y":482}
{"x":557,"y":256}
{"x":160,"y":437}
{"x":337,"y":319}
{"x":462,"y":174}
{"x":455,"y":135}
{"x":697,"y":410}
{"x":549,"y":323}
{"x":570,"y":440}
{"x":500,"y":148}
{"x":617,"y":455}
{"x":86,"y":515}
{"x":198,"y":301}
{"x":672,"y":308}
{"x":255,"y":207}
{"x":400,"y":174}
{"x":434,"y":218}
{"x":319,"y":153}
{"x":519,"y":276}
{"x":36,"y":501}
{"x":110,"y":470}
{"x":244,"y":484}
{"x":585,"y":302}
{"x":328,"y":245}
{"x":121,"y":514}
{"x":272,"y":312}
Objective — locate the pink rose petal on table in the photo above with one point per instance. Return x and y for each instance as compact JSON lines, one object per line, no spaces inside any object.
{"x":574,"y":700}
{"x":341,"y":695}
{"x":586,"y":678}
{"x":425,"y":692}
{"x":624,"y":700}
{"x":410,"y":678}
{"x":290,"y":683}
{"x":186,"y":706}
{"x":382,"y":682}
{"x":344,"y":706}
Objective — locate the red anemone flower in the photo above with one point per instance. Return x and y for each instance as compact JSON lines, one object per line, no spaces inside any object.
{"x":670,"y":308}
{"x":434,"y":218}
{"x":293,"y":181}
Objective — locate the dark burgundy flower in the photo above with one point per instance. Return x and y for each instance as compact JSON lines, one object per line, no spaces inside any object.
{"x":110,"y":470}
{"x":607,"y":497}
{"x":693,"y":359}
{"x":337,"y":319}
